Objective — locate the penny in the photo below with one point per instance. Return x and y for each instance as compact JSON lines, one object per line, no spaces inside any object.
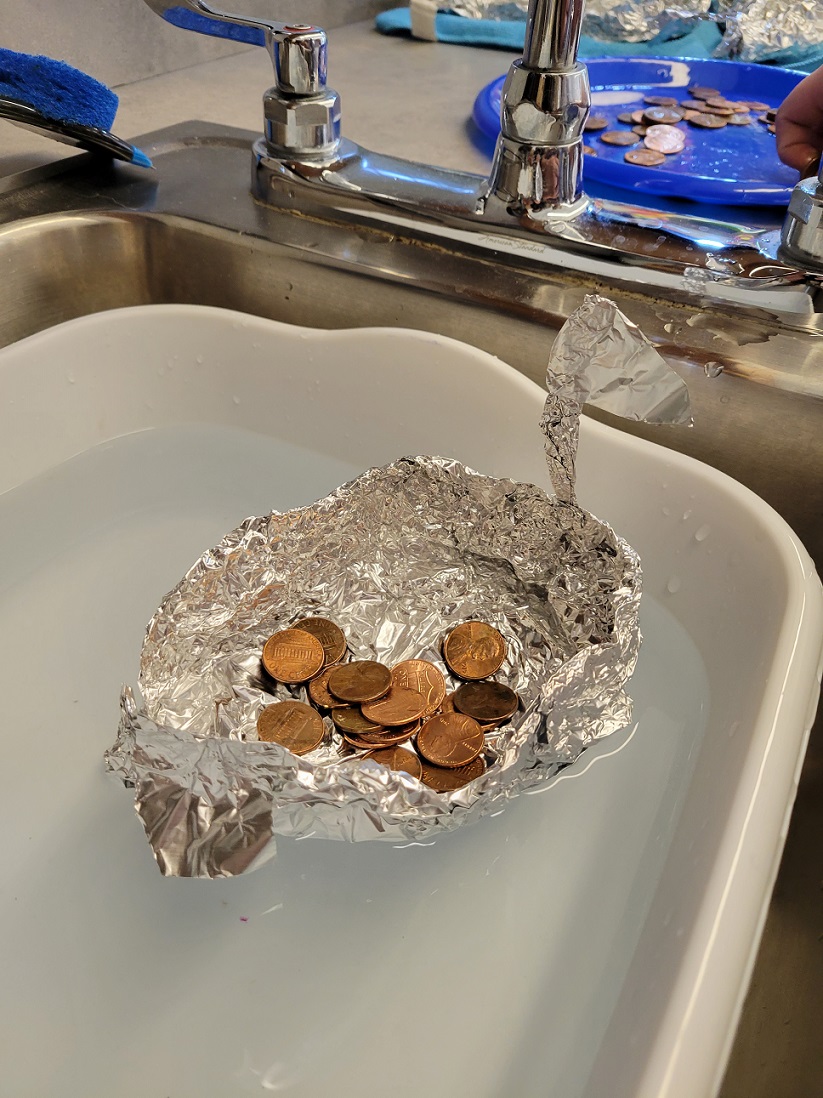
{"x":637,"y":116}
{"x":397,"y":758}
{"x":626,"y":116}
{"x":660,"y":100}
{"x":319,"y":691}
{"x":707,"y":121}
{"x":371,"y":741}
{"x":425,"y":678}
{"x":689,"y":115}
{"x":475,"y":650}
{"x":722,"y":112}
{"x":663,"y":116}
{"x":399,"y":706}
{"x":693,"y":104}
{"x":450,"y":739}
{"x":292,"y":724}
{"x":360,"y":681}
{"x":700,"y":92}
{"x":446,"y":781}
{"x":596,"y":122}
{"x":640,"y":130}
{"x":331,"y":636}
{"x":349,"y":718}
{"x":720,"y":101}
{"x":664,"y":139}
{"x":740,"y":120}
{"x":486,"y":701}
{"x":753,"y":105}
{"x":448,"y":704}
{"x":292,"y":655}
{"x":647,"y":158}
{"x":619,"y":137}
{"x":589,"y":151}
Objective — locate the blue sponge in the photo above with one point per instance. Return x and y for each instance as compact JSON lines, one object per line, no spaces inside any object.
{"x":55,"y":89}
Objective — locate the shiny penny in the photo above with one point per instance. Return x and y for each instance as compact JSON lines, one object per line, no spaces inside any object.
{"x":292,"y":655}
{"x":740,"y":120}
{"x":425,"y":678}
{"x":398,"y":758}
{"x":637,"y":116}
{"x":292,"y":724}
{"x":446,"y":781}
{"x":664,"y":139}
{"x":620,"y":137}
{"x":450,"y":740}
{"x":349,"y":718}
{"x":487,"y":702}
{"x":319,"y":691}
{"x":647,"y":158}
{"x":331,"y":636}
{"x":475,"y":650}
{"x":589,"y":151}
{"x":660,"y":100}
{"x":399,"y":706}
{"x":360,"y":681}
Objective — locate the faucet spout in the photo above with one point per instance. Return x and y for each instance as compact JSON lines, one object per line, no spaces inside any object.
{"x":538,"y":162}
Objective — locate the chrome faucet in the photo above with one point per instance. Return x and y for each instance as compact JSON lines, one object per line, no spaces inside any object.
{"x":302,"y":162}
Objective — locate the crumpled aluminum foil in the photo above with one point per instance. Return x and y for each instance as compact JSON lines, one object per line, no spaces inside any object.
{"x":618,"y":20}
{"x":394,"y":557}
{"x":759,"y":29}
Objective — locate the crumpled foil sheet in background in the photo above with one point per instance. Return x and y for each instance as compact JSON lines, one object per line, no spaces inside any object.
{"x":754,"y":30}
{"x":394,"y":557}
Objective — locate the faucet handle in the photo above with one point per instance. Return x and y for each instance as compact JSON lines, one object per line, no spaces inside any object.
{"x":297,"y":50}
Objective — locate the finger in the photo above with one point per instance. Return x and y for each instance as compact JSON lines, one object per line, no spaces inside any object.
{"x":797,"y":147}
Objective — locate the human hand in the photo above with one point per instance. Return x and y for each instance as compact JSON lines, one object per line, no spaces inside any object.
{"x":799,"y":125}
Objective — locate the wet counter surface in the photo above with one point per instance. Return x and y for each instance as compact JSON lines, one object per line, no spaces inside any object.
{"x":413,"y":99}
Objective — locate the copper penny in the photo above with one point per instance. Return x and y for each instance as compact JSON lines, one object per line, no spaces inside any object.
{"x":664,"y":139}
{"x":589,"y":151}
{"x":619,"y":137}
{"x":399,"y":706}
{"x":292,"y":655}
{"x":707,"y":121}
{"x":371,"y":741}
{"x":595,"y":122}
{"x":647,"y":158}
{"x":640,"y":130}
{"x":626,"y":116}
{"x":721,"y":112}
{"x":425,"y":678}
{"x":754,"y":105}
{"x":319,"y":691}
{"x":397,"y":758}
{"x":475,"y":650}
{"x":331,"y":636}
{"x":740,"y":120}
{"x":637,"y":116}
{"x":292,"y":724}
{"x":446,"y":781}
{"x":448,"y":704}
{"x":349,"y":718}
{"x":450,"y":739}
{"x":663,"y":116}
{"x":486,"y":701}
{"x":693,"y":104}
{"x":719,"y":101}
{"x":700,"y":92}
{"x":360,"y":681}
{"x":660,"y":100}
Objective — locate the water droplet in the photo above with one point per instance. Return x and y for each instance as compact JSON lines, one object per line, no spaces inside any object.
{"x":198,"y":360}
{"x":713,"y":369}
{"x":733,"y":728}
{"x":724,"y":400}
{"x":687,"y":515}
{"x":235,"y":400}
{"x":667,"y":511}
{"x":673,"y":586}
{"x":71,"y":379}
{"x":702,"y":532}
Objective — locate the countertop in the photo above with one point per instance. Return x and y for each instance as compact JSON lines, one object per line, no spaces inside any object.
{"x":413,"y":99}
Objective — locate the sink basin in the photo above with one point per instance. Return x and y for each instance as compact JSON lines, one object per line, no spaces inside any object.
{"x":618,"y":909}
{"x":91,"y":238}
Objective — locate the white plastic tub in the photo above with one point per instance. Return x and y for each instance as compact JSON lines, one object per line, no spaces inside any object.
{"x":593,"y":941}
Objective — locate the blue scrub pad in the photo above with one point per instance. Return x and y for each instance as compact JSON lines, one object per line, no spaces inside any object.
{"x":55,"y":89}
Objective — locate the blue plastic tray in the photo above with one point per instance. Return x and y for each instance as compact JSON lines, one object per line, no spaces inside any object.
{"x":736,"y":165}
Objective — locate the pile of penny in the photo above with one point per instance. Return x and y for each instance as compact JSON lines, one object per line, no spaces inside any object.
{"x":656,"y":124}
{"x":376,"y":709}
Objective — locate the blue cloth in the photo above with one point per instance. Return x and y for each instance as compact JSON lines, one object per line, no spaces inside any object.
{"x":700,"y":42}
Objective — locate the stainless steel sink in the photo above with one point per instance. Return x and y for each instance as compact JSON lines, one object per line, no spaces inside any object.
{"x":94,"y":237}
